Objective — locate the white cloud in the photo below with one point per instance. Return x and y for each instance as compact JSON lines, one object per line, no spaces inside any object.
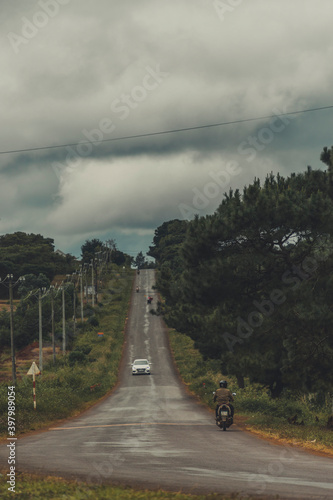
{"x":129,"y":191}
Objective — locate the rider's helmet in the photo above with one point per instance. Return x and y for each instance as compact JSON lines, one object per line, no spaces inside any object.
{"x":223,"y":383}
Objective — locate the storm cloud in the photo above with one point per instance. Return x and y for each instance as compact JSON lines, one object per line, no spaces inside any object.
{"x":88,"y":76}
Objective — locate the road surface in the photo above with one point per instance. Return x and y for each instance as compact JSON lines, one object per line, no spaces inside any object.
{"x":151,"y":433}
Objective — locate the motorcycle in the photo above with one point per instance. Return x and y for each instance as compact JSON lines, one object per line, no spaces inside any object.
{"x":149,"y":300}
{"x":137,"y":289}
{"x":224,"y":419}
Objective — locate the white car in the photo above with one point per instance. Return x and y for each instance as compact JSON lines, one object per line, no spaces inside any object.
{"x":141,"y":366}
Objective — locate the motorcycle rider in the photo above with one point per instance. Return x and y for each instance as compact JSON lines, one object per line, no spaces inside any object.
{"x":223,"y":396}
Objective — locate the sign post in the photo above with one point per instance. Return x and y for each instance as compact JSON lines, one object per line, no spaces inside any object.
{"x":34,"y":370}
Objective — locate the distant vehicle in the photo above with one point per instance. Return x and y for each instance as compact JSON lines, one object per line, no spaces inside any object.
{"x":141,"y":367}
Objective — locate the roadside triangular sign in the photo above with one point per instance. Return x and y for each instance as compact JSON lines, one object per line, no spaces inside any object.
{"x":33,"y":370}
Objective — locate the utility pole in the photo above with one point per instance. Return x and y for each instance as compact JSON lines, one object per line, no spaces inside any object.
{"x":52,"y":324}
{"x":92,"y":283}
{"x":72,"y":279}
{"x":99,"y":268}
{"x":11,"y":285}
{"x":40,"y":330}
{"x":11,"y":316}
{"x":9,"y":277}
{"x":63,"y":321}
{"x":74,"y":307}
{"x":97,"y":277}
{"x":81,"y":290}
{"x":86,"y":280}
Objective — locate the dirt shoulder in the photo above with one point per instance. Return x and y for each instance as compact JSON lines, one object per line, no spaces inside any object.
{"x":270,"y":436}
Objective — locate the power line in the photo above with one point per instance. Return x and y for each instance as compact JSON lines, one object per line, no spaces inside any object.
{"x":163,"y":132}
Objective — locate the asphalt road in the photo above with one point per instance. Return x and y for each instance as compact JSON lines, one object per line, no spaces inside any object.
{"x":150,"y":433}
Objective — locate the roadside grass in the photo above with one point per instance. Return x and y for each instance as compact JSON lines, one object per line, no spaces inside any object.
{"x":84,"y":374}
{"x":263,"y":415}
{"x":33,"y":487}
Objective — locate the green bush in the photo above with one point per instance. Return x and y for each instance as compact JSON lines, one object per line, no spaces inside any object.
{"x":93,"y":321}
{"x":77,"y":357}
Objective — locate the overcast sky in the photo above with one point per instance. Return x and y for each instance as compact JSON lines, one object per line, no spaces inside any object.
{"x":84,"y":71}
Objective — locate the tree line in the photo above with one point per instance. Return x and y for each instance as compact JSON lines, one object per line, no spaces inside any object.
{"x":33,"y":257}
{"x":22,"y":254}
{"x":252,"y":283}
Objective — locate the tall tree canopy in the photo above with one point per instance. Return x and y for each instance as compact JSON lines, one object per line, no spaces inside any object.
{"x":165,"y":250}
{"x":22,"y":254}
{"x":91,"y":248}
{"x":252,"y":284}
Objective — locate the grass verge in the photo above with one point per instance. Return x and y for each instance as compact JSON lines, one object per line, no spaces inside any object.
{"x":33,"y":487}
{"x":255,"y":410}
{"x":82,"y":376}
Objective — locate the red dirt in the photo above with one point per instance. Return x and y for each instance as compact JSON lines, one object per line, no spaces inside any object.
{"x":4,"y":304}
{"x":24,"y":359}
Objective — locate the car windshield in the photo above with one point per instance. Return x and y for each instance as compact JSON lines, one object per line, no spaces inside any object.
{"x":141,"y":362}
